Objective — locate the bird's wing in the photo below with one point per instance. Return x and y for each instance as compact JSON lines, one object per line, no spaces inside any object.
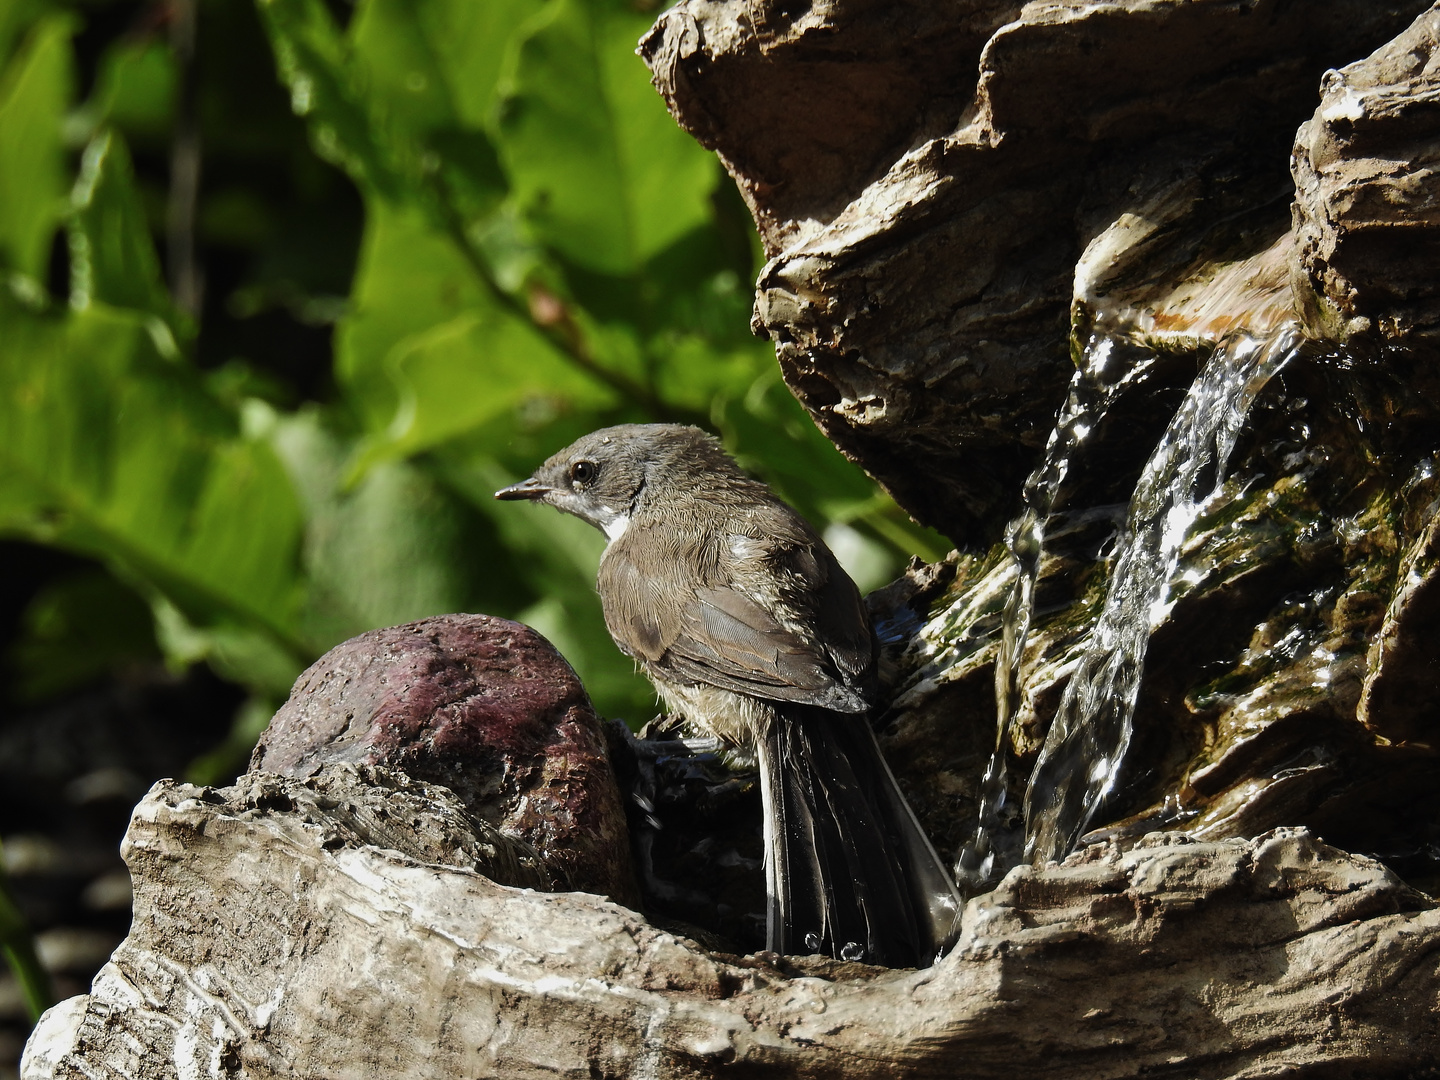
{"x":773,"y":617}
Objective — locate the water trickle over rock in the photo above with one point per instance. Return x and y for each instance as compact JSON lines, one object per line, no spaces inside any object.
{"x":1085,"y":747}
{"x":1098,"y":381}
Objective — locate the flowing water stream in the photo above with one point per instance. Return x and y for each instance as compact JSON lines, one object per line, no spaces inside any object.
{"x":1097,"y":383}
{"x":1086,"y":744}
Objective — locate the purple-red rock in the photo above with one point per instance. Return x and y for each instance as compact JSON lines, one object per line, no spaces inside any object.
{"x":484,"y":706}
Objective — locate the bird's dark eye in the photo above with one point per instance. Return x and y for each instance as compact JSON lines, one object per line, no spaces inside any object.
{"x":582,"y":472}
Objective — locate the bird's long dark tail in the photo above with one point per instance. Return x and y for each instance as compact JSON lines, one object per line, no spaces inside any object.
{"x":848,"y":870}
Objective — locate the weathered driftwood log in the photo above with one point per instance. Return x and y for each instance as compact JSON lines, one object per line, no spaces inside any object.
{"x":349,"y":920}
{"x":273,"y":939}
{"x":925,"y":178}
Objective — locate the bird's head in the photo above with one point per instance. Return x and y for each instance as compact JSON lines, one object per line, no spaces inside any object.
{"x":604,"y":477}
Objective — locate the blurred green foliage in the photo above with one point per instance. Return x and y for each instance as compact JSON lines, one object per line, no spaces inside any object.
{"x":17,"y":946}
{"x":536,"y":250}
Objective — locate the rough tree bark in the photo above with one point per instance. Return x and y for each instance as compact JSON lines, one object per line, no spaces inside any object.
{"x":952,"y":196}
{"x":925,"y":178}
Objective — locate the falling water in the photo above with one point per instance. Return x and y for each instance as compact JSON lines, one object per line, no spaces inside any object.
{"x":1086,"y":744}
{"x":1098,"y":381}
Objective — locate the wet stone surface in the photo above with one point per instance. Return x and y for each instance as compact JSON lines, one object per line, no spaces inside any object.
{"x":925,"y":179}
{"x":1153,"y":177}
{"x":696,"y":834}
{"x":1288,"y":682}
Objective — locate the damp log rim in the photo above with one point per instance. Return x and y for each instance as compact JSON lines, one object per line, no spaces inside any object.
{"x":267,"y":944}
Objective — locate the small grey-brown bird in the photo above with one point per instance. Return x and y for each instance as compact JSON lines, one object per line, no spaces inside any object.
{"x":749,"y":628}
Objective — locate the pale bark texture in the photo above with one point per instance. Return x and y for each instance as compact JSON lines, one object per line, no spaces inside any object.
{"x":272,"y":940}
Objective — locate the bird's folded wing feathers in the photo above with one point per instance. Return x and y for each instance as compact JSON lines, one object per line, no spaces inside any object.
{"x":717,"y":634}
{"x":729,"y":640}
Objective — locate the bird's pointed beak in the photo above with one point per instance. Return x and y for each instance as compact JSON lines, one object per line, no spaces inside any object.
{"x":530,"y":489}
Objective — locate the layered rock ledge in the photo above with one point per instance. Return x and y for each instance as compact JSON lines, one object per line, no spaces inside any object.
{"x":926,"y":179}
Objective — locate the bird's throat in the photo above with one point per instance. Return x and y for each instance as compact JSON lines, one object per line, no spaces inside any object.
{"x":614,"y":527}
